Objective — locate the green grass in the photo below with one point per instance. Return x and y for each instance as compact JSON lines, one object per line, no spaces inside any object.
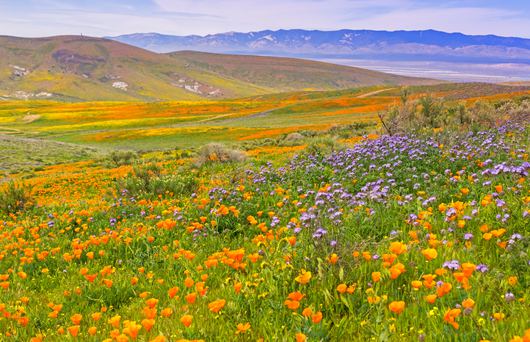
{"x":23,"y":154}
{"x":257,"y":226}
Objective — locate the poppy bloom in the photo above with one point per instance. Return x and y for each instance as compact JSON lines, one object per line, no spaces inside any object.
{"x":242,"y":328}
{"x":450,"y":317}
{"x":468,"y":303}
{"x":300,"y":337}
{"x":397,"y":247}
{"x":296,"y":296}
{"x":167,"y":312}
{"x":115,"y":321}
{"x":498,"y":316}
{"x":151,"y":302}
{"x":188,"y":282}
{"x":304,"y":277}
{"x":190,"y":298}
{"x":397,"y":307}
{"x":73,"y":330}
{"x":430,"y":298}
{"x":333,"y":258}
{"x":443,"y":289}
{"x":416,"y":284}
{"x":131,"y":329}
{"x":92,"y":331}
{"x":172,"y":292}
{"x":316,"y":317}
{"x":292,"y":304}
{"x":429,"y":253}
{"x":186,"y":320}
{"x":216,"y":305}
{"x":396,"y":270}
{"x":76,"y":319}
{"x":148,"y":324}
{"x":341,"y":288}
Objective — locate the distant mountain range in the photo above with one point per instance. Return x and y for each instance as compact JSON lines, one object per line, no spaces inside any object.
{"x":85,"y":68}
{"x":361,"y":44}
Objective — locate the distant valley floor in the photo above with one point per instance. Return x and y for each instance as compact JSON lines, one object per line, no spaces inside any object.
{"x":448,"y":71}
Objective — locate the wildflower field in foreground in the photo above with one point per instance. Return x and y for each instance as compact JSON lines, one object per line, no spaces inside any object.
{"x":397,"y":238}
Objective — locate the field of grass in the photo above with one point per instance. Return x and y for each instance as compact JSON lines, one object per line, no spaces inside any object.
{"x":24,"y":154}
{"x":186,"y":124}
{"x":395,"y":238}
{"x":334,"y":233}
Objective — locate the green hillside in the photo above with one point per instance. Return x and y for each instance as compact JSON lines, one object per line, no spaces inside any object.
{"x":288,"y":74}
{"x":74,"y":68}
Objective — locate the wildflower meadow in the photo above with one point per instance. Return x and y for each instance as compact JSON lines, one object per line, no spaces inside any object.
{"x":404,"y":237}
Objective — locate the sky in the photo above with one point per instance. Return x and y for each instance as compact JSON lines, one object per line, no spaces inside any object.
{"x":37,"y":18}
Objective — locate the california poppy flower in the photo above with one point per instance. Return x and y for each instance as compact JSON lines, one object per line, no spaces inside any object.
{"x":186,"y":320}
{"x":397,"y":307}
{"x":216,"y":305}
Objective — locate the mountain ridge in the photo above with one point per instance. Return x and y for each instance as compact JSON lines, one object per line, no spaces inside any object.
{"x":362,"y":43}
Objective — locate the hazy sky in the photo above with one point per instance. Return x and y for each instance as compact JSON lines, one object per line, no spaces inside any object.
{"x":32,"y":18}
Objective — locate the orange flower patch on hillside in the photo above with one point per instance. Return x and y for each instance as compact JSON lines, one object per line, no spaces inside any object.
{"x":274,"y":132}
{"x":275,"y":150}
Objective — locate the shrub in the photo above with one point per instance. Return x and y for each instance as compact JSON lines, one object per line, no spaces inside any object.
{"x":482,"y":114}
{"x":15,"y":197}
{"x":431,"y":111}
{"x":400,"y":118}
{"x":218,"y":153}
{"x":323,"y":145}
{"x":516,"y":111}
{"x":123,"y":157}
{"x":294,"y":137}
{"x":148,"y":180}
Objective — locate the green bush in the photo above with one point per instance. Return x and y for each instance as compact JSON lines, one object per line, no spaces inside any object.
{"x":323,"y":145}
{"x":218,"y":153}
{"x":149,"y":180}
{"x":120,"y":158}
{"x":15,"y":197}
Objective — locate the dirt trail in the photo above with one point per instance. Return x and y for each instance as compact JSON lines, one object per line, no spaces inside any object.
{"x":362,"y":96}
{"x":229,"y":117}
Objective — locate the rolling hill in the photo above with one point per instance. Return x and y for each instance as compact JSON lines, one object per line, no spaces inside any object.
{"x":85,"y":68}
{"x":288,"y":74}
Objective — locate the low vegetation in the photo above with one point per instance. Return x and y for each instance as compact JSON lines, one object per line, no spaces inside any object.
{"x":326,"y":233}
{"x":431,"y":113}
{"x":149,"y":180}
{"x":218,"y":153}
{"x":14,"y":197}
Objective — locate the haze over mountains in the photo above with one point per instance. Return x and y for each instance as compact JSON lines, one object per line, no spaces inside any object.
{"x":86,"y":68}
{"x":428,"y":53}
{"x":392,"y":45}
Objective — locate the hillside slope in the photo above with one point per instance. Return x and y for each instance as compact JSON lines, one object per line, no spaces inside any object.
{"x":286,"y":74}
{"x":85,"y":68}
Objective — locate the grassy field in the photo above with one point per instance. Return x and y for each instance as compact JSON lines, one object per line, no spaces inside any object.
{"x":185,"y":124}
{"x":331,"y":234}
{"x":420,"y":237}
{"x":24,"y":154}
